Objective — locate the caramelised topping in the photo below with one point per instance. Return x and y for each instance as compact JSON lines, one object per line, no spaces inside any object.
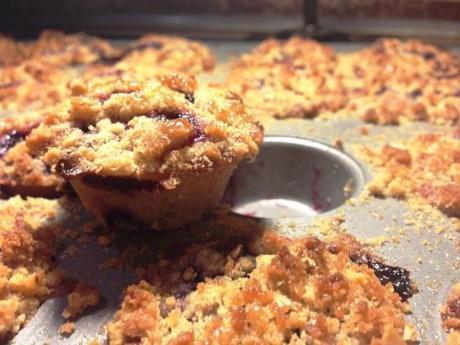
{"x":427,"y":166}
{"x":304,"y":293}
{"x":450,"y":310}
{"x":27,"y":271}
{"x":20,"y":172}
{"x":33,"y":83}
{"x":153,"y":130}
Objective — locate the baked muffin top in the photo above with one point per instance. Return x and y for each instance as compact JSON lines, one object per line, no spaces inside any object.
{"x":156,"y":130}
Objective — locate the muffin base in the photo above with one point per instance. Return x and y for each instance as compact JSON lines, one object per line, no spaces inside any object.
{"x":160,"y":208}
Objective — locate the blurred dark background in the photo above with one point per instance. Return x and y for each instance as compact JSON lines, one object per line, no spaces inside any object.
{"x":429,"y":19}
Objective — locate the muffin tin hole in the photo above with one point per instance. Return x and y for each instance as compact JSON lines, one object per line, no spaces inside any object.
{"x":293,"y":177}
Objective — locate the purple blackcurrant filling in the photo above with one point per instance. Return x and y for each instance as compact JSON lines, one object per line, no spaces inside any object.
{"x":397,"y":276}
{"x":11,"y":138}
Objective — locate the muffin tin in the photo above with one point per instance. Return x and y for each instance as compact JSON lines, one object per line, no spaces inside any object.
{"x":317,"y":190}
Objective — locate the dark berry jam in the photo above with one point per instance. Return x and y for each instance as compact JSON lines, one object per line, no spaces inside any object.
{"x":397,"y":276}
{"x":8,"y":140}
{"x":67,"y":168}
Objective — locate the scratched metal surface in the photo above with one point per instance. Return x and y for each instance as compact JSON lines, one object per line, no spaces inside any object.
{"x":433,"y":268}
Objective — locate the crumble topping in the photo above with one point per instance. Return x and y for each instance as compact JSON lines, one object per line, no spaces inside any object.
{"x":427,"y":167}
{"x":287,"y":291}
{"x":146,"y":130}
{"x":20,"y":172}
{"x":27,"y":271}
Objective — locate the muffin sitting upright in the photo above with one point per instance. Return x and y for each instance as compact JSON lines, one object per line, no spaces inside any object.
{"x":160,"y":151}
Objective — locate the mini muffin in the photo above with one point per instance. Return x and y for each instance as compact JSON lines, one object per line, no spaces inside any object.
{"x":153,"y":54}
{"x":161,"y":151}
{"x":57,"y":48}
{"x":284,"y":79}
{"x":20,"y":172}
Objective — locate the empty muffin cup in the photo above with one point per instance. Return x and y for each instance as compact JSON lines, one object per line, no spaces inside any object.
{"x":294,"y":177}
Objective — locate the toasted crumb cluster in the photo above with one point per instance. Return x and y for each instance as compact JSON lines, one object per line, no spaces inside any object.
{"x":57,"y":48}
{"x":390,"y":82}
{"x":288,"y":79}
{"x":27,"y":271}
{"x":427,"y":167}
{"x":81,"y":298}
{"x":21,"y":172}
{"x":153,"y":55}
{"x":32,"y":84}
{"x":35,"y":74}
{"x":450,"y":314}
{"x":153,"y":130}
{"x":395,"y":81}
{"x":276,"y":292}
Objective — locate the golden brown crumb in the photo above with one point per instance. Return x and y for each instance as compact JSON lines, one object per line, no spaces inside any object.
{"x":27,"y":271}
{"x":81,"y":298}
{"x":145,"y":130}
{"x":427,"y":167}
{"x":20,"y":172}
{"x":152,"y":55}
{"x":309,"y":291}
{"x":450,"y":310}
{"x":67,"y":328}
{"x":389,"y":82}
{"x":32,"y":84}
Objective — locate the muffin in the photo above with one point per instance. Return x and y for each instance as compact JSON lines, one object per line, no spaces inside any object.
{"x":21,"y":173}
{"x":153,"y":54}
{"x":285,"y":79}
{"x":160,"y":151}
{"x":57,"y":48}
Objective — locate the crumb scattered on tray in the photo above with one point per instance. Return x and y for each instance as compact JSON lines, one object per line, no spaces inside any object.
{"x":67,"y":328}
{"x":426,"y":167}
{"x":28,"y":273}
{"x":81,"y":298}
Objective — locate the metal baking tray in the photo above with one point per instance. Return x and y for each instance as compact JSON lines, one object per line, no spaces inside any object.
{"x":313,"y":181}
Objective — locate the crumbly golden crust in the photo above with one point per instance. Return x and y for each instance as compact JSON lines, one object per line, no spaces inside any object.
{"x":153,"y":55}
{"x":13,"y":52}
{"x":81,"y":298}
{"x":390,"y":82}
{"x":21,"y":172}
{"x":153,"y":130}
{"x":57,"y":48}
{"x":427,"y":167}
{"x":395,"y":81}
{"x":290,"y":78}
{"x":27,"y":272}
{"x":32,"y":84}
{"x":450,"y":310}
{"x":278,"y":291}
{"x":169,"y":52}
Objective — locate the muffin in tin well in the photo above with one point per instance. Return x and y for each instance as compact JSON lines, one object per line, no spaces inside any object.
{"x":160,"y":151}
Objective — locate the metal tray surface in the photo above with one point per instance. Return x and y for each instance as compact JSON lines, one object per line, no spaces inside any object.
{"x":408,"y":237}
